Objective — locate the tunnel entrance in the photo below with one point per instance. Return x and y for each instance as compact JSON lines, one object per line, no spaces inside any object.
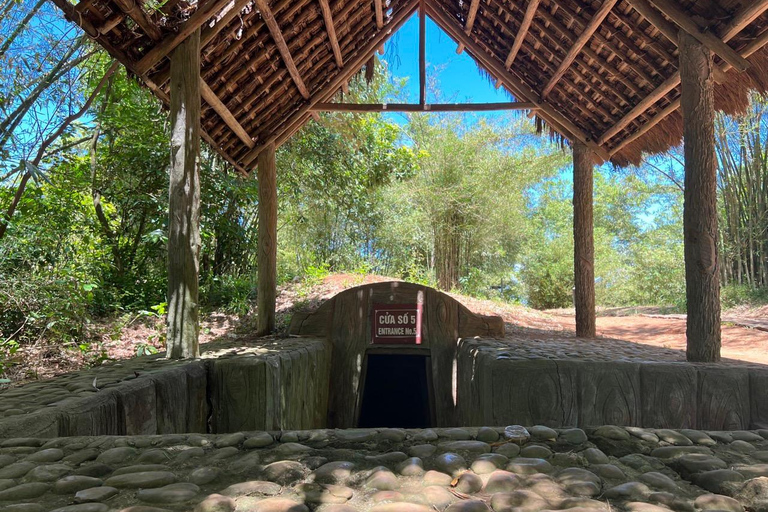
{"x":397,"y":391}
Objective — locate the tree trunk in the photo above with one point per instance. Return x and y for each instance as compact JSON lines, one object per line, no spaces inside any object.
{"x":184,"y":201}
{"x":583,"y":241}
{"x":702,"y":278}
{"x":267,"y":292}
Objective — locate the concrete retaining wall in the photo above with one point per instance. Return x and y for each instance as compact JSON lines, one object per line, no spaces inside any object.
{"x":496,"y":389}
{"x":285,"y":387}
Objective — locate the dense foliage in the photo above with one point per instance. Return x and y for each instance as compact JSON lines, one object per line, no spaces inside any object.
{"x":480,"y":205}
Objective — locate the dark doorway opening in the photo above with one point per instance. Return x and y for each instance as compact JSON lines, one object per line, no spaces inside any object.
{"x":396,"y":391}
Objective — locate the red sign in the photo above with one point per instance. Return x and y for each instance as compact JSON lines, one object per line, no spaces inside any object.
{"x":397,"y":324}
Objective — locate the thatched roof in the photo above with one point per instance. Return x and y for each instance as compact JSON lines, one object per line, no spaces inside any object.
{"x":266,"y":63}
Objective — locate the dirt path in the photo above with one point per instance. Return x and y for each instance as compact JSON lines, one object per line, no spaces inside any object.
{"x":669,"y":332}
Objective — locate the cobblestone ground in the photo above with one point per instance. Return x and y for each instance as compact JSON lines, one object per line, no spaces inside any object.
{"x":391,"y":470}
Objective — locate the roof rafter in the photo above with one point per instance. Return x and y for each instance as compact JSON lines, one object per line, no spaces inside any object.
{"x":580,"y":43}
{"x":331,"y":29}
{"x":352,"y":66}
{"x":164,"y":47}
{"x":133,"y":9}
{"x":708,"y":39}
{"x":379,"y":9}
{"x":669,"y":85}
{"x":530,"y":12}
{"x":213,"y":100}
{"x":282,"y":46}
{"x":743,"y":18}
{"x":471,"y":15}
{"x":514,"y":84}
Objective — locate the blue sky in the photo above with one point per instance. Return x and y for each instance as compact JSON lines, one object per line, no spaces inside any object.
{"x":459,"y":79}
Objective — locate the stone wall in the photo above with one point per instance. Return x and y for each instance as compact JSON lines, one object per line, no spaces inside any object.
{"x":495,"y":388}
{"x":282,"y":384}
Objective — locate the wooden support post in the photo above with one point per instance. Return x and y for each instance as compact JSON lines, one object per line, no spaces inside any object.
{"x":702,"y":277}
{"x":422,"y":54}
{"x":184,"y":201}
{"x":583,"y":241}
{"x":267,"y":287}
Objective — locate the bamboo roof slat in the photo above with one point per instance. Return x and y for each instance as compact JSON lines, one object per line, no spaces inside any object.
{"x":603,"y":72}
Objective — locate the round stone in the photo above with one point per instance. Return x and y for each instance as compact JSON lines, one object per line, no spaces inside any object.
{"x":487,"y":435}
{"x":17,"y":470}
{"x":508,"y":450}
{"x":284,"y":472}
{"x":469,"y":483}
{"x":609,"y":471}
{"x":216,"y":503}
{"x":229,"y":440}
{"x":24,"y":491}
{"x":141,"y":468}
{"x":259,"y":440}
{"x":612,"y":432}
{"x":411,"y":467}
{"x":717,"y":502}
{"x":252,"y":487}
{"x":717,"y":481}
{"x":744,"y":435}
{"x":224,"y":453}
{"x":189,"y":453}
{"x":572,"y":436}
{"x":468,"y":506}
{"x":75,"y":483}
{"x":454,"y":433}
{"x":536,"y":451}
{"x":48,"y":473}
{"x":659,"y":481}
{"x":542,"y":433}
{"x":673,"y":437}
{"x":169,"y":494}
{"x":422,"y":450}
{"x":437,"y":496}
{"x":517,"y":434}
{"x":118,"y":455}
{"x":742,"y":446}
{"x":204,"y":475}
{"x":380,"y":496}
{"x":450,"y":463}
{"x":572,"y":475}
{"x":529,"y":466}
{"x":84,"y":507}
{"x":524,"y":499}
{"x":628,"y":491}
{"x":154,"y":457}
{"x":595,"y":456}
{"x":433,"y":477}
{"x":333,"y":472}
{"x":466,"y":446}
{"x":278,"y":505}
{"x":145,"y":480}
{"x":96,"y":470}
{"x":698,"y":437}
{"x":382,"y":479}
{"x":396,"y":435}
{"x":49,"y":455}
{"x":502,"y":481}
{"x":102,"y":493}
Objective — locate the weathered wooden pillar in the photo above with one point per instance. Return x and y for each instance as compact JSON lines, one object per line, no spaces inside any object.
{"x":184,"y":201}
{"x":267,"y":288}
{"x":583,"y":241}
{"x":702,"y":278}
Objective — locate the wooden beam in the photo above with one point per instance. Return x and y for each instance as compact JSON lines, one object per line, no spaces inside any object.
{"x":210,"y":98}
{"x":655,"y":18}
{"x":164,"y":47}
{"x":471,"y":15}
{"x":530,"y":12}
{"x":672,"y":11}
{"x":331,"y":29}
{"x":743,"y":18}
{"x":302,"y":114}
{"x":422,"y":54}
{"x":133,"y":9}
{"x":412,"y":107}
{"x":282,"y":46}
{"x":580,"y":43}
{"x":522,"y":91}
{"x":379,"y":13}
{"x":267,"y":257}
